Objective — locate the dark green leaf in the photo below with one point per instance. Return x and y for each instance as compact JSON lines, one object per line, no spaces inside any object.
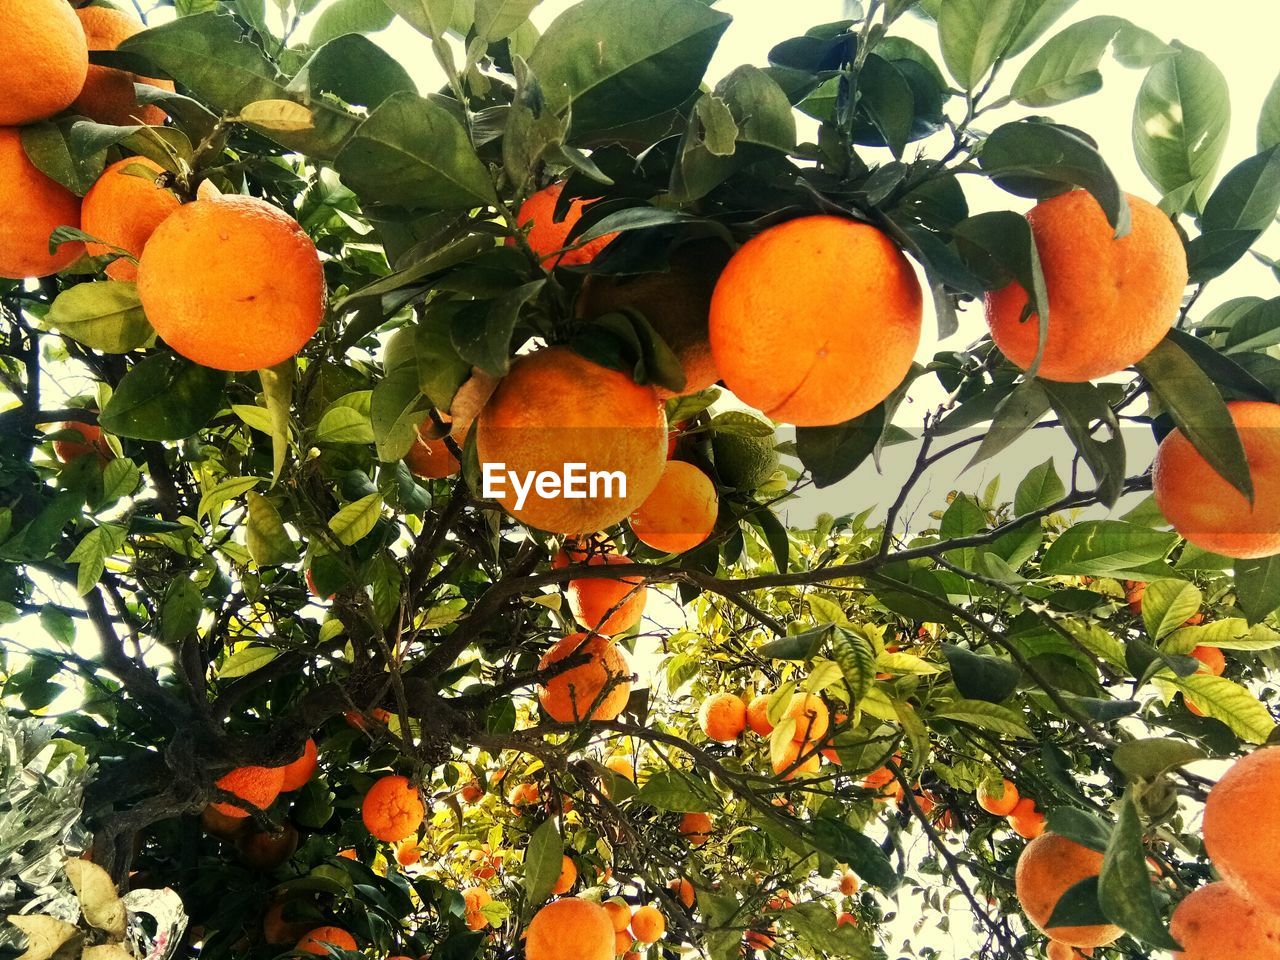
{"x":180,"y":610}
{"x":1125,"y":891}
{"x":981,"y":678}
{"x":1084,"y":828}
{"x":488,"y":344}
{"x":1094,"y":428}
{"x":543,"y":862}
{"x":863,"y":855}
{"x":164,"y":397}
{"x":832,"y":453}
{"x":1017,"y":413}
{"x":355,"y":70}
{"x":1039,"y":489}
{"x":1078,"y":906}
{"x":974,"y":34}
{"x":888,"y":100}
{"x":1258,"y":586}
{"x":1103,"y":547}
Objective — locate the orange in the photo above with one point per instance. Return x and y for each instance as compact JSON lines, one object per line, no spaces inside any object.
{"x":1218,"y":922}
{"x":759,"y":939}
{"x":883,"y":782}
{"x":408,"y":852}
{"x":1049,"y":866}
{"x":816,"y":320}
{"x":1001,"y":805}
{"x":681,"y":511}
{"x":592,"y":598}
{"x":676,"y":303}
{"x":323,"y":940}
{"x":1214,"y":660}
{"x":276,"y":930}
{"x":267,"y":851}
{"x":476,"y":899}
{"x":91,"y":442}
{"x":1241,"y":829}
{"x":811,"y":717}
{"x":297,"y":773}
{"x":347,"y":854}
{"x":256,"y":786}
{"x":123,"y":209}
{"x":523,"y":794}
{"x":622,"y":767}
{"x":430,"y":457}
{"x":846,"y":919}
{"x":683,"y":891}
{"x":556,"y":408}
{"x":232,"y":283}
{"x":45,"y":60}
{"x":622,"y":942}
{"x":392,"y":809}
{"x":547,"y":236}
{"x":619,"y":914}
{"x":218,"y":824}
{"x":595,"y":690}
{"x":471,"y":792}
{"x":1207,"y":510}
{"x":696,"y":828}
{"x":1026,"y":821}
{"x":790,"y":754}
{"x":848,"y":883}
{"x":1110,"y":301}
{"x":723,"y":717}
{"x":570,"y":929}
{"x":758,"y":715}
{"x":568,"y":877}
{"x":648,"y":924}
{"x":108,"y":95}
{"x":34,"y":207}
{"x":1063,"y":951}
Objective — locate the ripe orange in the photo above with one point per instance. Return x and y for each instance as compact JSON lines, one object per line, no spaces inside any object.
{"x":91,"y":442}
{"x":320,"y":941}
{"x":648,"y":924}
{"x":1026,"y":821}
{"x":1110,"y":301}
{"x":430,"y":457}
{"x":758,"y":715}
{"x":408,"y":852}
{"x":232,"y":283}
{"x":592,"y":598}
{"x":471,"y":792}
{"x":568,"y":877}
{"x":1064,"y":951}
{"x":619,"y":914}
{"x":1207,"y":510}
{"x":811,"y":717}
{"x":1001,"y":805}
{"x":792,"y":752}
{"x":548,"y":236}
{"x":846,"y":919}
{"x":816,"y":320}
{"x":35,"y":205}
{"x":45,"y":59}
{"x":696,"y":828}
{"x":267,"y":851}
{"x":108,"y":95}
{"x":590,"y":691}
{"x":123,"y":210}
{"x":256,"y":786}
{"x":555,"y":408}
{"x":570,"y":929}
{"x":392,"y":809}
{"x":723,"y":717}
{"x":1241,"y":831}
{"x":297,"y":773}
{"x":883,"y":782}
{"x":681,"y":511}
{"x":1219,"y":922}
{"x":476,"y":899}
{"x":1049,"y":866}
{"x":683,"y":891}
{"x":622,"y":767}
{"x":1214,"y":660}
{"x":760,"y":939}
{"x":676,"y":303}
{"x":523,"y":794}
{"x":848,"y":883}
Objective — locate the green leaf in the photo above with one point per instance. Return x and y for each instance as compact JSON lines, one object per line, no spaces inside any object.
{"x":412,"y":152}
{"x":48,"y":147}
{"x":220,"y":493}
{"x":678,"y":792}
{"x":431,"y":18}
{"x":1197,"y":407}
{"x":350,"y":16}
{"x":889,"y":101}
{"x":1166,"y":605}
{"x":106,"y":316}
{"x":1086,"y":414}
{"x":1229,"y":702}
{"x":396,"y":410}
{"x":843,"y":843}
{"x":277,"y":391}
{"x":245,"y":660}
{"x":1039,"y":489}
{"x":974,"y":34}
{"x":1269,"y":119}
{"x":612,"y":62}
{"x":120,"y":478}
{"x":355,"y":70}
{"x":832,"y":453}
{"x":857,"y":659}
{"x":1125,"y":891}
{"x":354,"y":521}
{"x":180,"y":610}
{"x":1084,"y":828}
{"x":497,"y":19}
{"x":1036,"y":18}
{"x":346,"y":420}
{"x":58,"y":625}
{"x":1066,"y":66}
{"x":1229,"y":633}
{"x":1015,"y":415}
{"x":91,"y":554}
{"x":1238,"y":212}
{"x":1105,"y":547}
{"x":487,"y":344}
{"x":163,"y":397}
{"x":268,"y":541}
{"x":978,"y":677}
{"x":259,"y":418}
{"x":1258,"y":586}
{"x":1078,"y":906}
{"x":1146,"y":759}
{"x":543,"y":861}
{"x":987,"y":716}
{"x":1180,"y":125}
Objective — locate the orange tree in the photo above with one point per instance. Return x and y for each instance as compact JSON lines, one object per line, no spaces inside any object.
{"x":345,"y":685}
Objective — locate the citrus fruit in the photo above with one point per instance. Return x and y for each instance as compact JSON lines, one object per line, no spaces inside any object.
{"x":568,"y":877}
{"x":430,"y":457}
{"x":1002,"y":803}
{"x":256,"y":786}
{"x":556,"y":408}
{"x":696,"y":828}
{"x":1110,"y":300}
{"x":1026,"y":821}
{"x":1214,"y":660}
{"x":683,"y":891}
{"x":675,"y":302}
{"x":1206,"y":509}
{"x":758,"y":715}
{"x":91,"y":442}
{"x":681,"y":511}
{"x":595,"y":690}
{"x":1219,"y":922}
{"x":322,"y":940}
{"x":232,"y":283}
{"x":723,"y":717}
{"x":848,"y":883}
{"x":46,"y":59}
{"x":392,"y":809}
{"x":548,"y":236}
{"x":408,"y":852}
{"x":816,"y":320}
{"x":108,"y":95}
{"x":1064,"y":951}
{"x":277,"y":930}
{"x":476,"y":899}
{"x":785,"y":760}
{"x":619,"y":914}
{"x":570,"y":929}
{"x":523,"y":794}
{"x":607,"y":606}
{"x":267,"y":851}
{"x":622,"y":767}
{"x":35,"y":206}
{"x":218,"y":824}
{"x":811,"y":716}
{"x":123,"y":209}
{"x":743,"y":462}
{"x":1241,"y":830}
{"x":1049,"y":866}
{"x":648,"y":924}
{"x":297,"y":773}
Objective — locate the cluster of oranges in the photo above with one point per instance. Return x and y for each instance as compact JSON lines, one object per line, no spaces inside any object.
{"x":257,"y":787}
{"x":572,"y":928}
{"x":1005,"y":801}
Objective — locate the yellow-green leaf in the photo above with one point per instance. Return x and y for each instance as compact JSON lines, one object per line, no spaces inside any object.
{"x":245,"y":660}
{"x":222,"y":492}
{"x":278,"y":116}
{"x":277,"y":390}
{"x":265,"y":535}
{"x":1229,"y":702}
{"x":257,"y":417}
{"x":354,"y":521}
